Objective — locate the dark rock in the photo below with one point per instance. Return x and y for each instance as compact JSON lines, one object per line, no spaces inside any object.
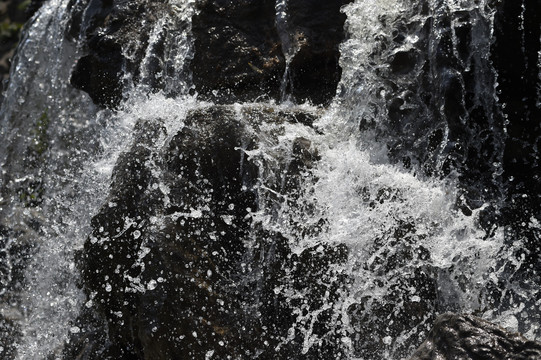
{"x":515,"y":55}
{"x":316,"y":31}
{"x":468,"y":337}
{"x":437,"y":125}
{"x":176,"y":266}
{"x":379,"y":321}
{"x":238,"y":50}
{"x":106,"y":29}
{"x":441,"y":121}
{"x":99,"y":73}
{"x":189,"y":258}
{"x":238,"y":54}
{"x":403,"y":62}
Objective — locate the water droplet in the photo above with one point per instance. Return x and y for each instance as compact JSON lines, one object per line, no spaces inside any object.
{"x":196,"y":214}
{"x":152,"y":285}
{"x":228,"y":219}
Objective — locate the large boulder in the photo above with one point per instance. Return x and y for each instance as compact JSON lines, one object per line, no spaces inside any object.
{"x":246,"y":51}
{"x":176,"y":264}
{"x":114,"y":37}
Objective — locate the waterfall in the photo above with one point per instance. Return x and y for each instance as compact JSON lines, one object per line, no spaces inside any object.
{"x":42,"y":126}
{"x":270,"y":179}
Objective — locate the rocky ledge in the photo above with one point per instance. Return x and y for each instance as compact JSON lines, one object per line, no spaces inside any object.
{"x":469,"y":337}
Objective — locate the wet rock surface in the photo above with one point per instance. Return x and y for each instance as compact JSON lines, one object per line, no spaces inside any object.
{"x":179,"y":298}
{"x":468,"y":337}
{"x":439,"y":119}
{"x":238,"y":49}
{"x":517,"y":34}
{"x":105,"y":27}
{"x":441,"y":123}
{"x":432,"y":91}
{"x":238,"y":54}
{"x":181,"y":268}
{"x":315,"y":31}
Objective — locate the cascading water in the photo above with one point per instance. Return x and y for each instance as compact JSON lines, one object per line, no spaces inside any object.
{"x":193,"y":212}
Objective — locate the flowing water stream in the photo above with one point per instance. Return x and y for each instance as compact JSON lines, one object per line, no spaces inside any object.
{"x":365,"y":224}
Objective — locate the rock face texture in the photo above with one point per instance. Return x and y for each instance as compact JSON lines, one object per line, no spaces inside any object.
{"x":468,"y":337}
{"x":199,"y":294}
{"x":519,"y":69}
{"x":181,"y":268}
{"x":239,"y":50}
{"x":206,"y":289}
{"x":432,"y":91}
{"x":314,"y":28}
{"x":185,"y":302}
{"x":104,"y":27}
{"x":243,"y":52}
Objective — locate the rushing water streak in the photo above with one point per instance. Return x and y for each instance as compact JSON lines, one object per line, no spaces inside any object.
{"x":288,"y":46}
{"x":24,"y":180}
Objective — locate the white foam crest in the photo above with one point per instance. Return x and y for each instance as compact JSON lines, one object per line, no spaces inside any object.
{"x":365,"y":201}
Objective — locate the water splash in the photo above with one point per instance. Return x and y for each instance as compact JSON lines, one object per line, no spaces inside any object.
{"x":375,"y":246}
{"x":78,"y":148}
{"x":401,"y":229}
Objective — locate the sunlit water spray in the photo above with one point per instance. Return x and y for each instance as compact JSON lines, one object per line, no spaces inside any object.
{"x":78,"y":177}
{"x":399,"y":229}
